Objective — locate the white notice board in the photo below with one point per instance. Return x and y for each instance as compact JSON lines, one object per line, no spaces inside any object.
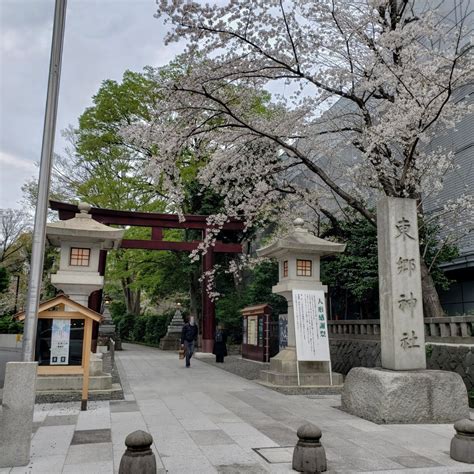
{"x":252,"y":338}
{"x":60,"y":333}
{"x":311,"y":326}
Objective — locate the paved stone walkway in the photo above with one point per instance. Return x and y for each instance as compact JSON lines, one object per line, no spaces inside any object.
{"x":206,"y":420}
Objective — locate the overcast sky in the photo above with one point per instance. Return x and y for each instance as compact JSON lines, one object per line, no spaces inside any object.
{"x":103,"y":38}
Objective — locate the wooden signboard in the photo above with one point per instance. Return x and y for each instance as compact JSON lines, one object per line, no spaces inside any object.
{"x":62,"y":311}
{"x":256,"y":344}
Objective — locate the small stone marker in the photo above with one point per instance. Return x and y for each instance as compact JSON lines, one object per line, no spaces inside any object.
{"x":309,"y":455}
{"x":138,"y":457}
{"x":462,"y":445}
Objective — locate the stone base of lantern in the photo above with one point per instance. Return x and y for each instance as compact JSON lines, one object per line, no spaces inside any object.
{"x":414,"y":396}
{"x":171,"y":342}
{"x":98,"y":380}
{"x":58,"y":383}
{"x":283,"y":372}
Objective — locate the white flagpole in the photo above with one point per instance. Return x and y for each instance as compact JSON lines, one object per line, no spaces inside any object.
{"x":39,"y":233}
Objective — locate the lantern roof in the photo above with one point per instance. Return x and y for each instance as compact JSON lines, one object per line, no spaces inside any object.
{"x":82,"y":228}
{"x":300,"y":240}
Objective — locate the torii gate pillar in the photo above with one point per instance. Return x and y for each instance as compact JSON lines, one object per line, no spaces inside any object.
{"x":208,"y":307}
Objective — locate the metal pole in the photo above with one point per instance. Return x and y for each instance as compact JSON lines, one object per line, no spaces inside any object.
{"x":17,"y":291}
{"x":39,"y":233}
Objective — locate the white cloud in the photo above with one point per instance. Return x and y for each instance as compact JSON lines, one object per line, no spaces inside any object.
{"x":103,"y":38}
{"x":8,"y":160}
{"x":14,"y":172}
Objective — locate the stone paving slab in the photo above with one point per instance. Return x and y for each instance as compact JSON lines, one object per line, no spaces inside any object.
{"x":123,"y":406}
{"x":206,"y":420}
{"x":91,"y":437}
{"x":58,"y":420}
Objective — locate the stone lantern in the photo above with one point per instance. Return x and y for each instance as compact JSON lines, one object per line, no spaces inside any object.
{"x":298,"y":254}
{"x":80,"y":240}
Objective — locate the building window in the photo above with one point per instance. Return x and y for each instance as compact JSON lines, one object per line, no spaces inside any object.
{"x":304,"y":268}
{"x":80,"y":257}
{"x":285,"y":268}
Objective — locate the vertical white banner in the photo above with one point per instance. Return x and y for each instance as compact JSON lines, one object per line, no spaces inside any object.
{"x":311,"y":327}
{"x":60,"y":333}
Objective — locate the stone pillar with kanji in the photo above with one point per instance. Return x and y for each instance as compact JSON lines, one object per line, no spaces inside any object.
{"x":402,"y":390}
{"x":401,"y":303}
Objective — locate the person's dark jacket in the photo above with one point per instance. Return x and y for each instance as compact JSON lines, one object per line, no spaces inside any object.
{"x":189,"y":333}
{"x":220,"y":343}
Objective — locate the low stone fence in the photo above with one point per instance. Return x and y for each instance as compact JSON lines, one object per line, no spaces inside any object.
{"x":234,"y":349}
{"x":358,"y":328}
{"x":456,"y":329}
{"x":449,"y":327}
{"x":11,"y":341}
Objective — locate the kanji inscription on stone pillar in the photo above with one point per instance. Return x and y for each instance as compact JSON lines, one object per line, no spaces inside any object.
{"x":401,"y":305}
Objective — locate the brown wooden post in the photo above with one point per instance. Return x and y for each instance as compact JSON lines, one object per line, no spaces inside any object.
{"x":95,"y":299}
{"x":266,"y":335}
{"x":156,"y":233}
{"x":86,"y":354}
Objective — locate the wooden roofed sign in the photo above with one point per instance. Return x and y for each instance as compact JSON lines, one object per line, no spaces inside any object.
{"x":64,"y":339}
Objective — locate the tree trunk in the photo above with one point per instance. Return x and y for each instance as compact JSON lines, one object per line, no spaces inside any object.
{"x":132,"y":298}
{"x":431,"y":305}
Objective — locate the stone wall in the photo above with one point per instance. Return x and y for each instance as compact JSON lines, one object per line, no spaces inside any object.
{"x":346,"y":354}
{"x":455,"y":358}
{"x":11,"y":341}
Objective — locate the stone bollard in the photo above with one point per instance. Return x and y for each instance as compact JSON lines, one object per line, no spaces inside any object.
{"x":138,"y":457}
{"x":309,"y":455}
{"x":16,"y":413}
{"x":462,"y":445}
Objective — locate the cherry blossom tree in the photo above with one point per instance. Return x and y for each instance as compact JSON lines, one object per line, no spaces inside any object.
{"x":359,"y":88}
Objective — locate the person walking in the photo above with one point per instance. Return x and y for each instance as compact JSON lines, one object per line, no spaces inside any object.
{"x":220,"y":347}
{"x":189,"y":335}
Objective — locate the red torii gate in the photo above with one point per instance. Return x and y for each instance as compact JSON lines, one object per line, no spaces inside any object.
{"x":158,"y":222}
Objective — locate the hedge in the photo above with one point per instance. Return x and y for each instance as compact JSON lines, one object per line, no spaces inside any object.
{"x":147,"y":329}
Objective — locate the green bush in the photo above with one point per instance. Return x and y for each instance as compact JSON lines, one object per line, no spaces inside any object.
{"x":125,"y":326}
{"x":258,"y":290}
{"x":9,"y":326}
{"x":156,"y":327}
{"x":117,"y":310}
{"x":147,"y":329}
{"x":139,"y":329}
{"x":428,"y":350}
{"x":471,"y":398}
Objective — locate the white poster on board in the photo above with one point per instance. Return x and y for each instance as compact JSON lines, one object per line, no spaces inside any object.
{"x":311,"y":327}
{"x":252,"y":331}
{"x":60,"y":333}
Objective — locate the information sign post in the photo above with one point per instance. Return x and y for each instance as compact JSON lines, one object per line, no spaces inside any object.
{"x":54,"y":351}
{"x":311,"y":334}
